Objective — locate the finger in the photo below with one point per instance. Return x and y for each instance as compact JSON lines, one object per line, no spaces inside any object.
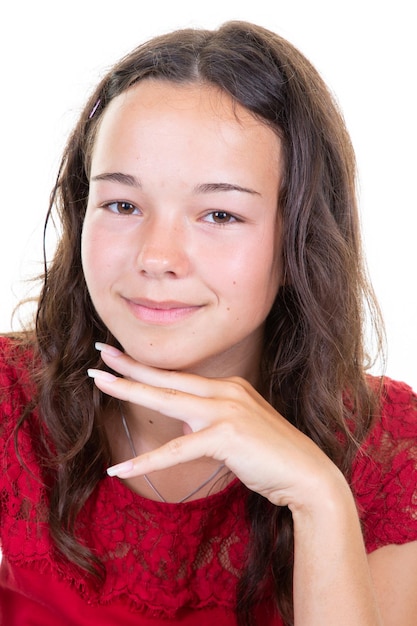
{"x":179,"y":450}
{"x":128,"y":367}
{"x":195,"y":410}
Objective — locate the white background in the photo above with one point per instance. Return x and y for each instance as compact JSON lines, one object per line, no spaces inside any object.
{"x":52,"y":53}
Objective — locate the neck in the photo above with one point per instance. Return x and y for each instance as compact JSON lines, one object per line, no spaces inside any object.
{"x":178,"y":484}
{"x":151,"y":429}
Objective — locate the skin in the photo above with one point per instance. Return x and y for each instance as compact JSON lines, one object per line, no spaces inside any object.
{"x":187,"y":299}
{"x":180,"y":246}
{"x":180,"y":258}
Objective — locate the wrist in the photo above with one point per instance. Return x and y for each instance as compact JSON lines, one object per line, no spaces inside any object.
{"x":327,"y":500}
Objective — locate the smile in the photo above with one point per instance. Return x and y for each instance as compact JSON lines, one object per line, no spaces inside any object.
{"x":167,"y":312}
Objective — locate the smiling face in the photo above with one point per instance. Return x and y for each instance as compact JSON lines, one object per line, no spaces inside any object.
{"x":179,"y":245}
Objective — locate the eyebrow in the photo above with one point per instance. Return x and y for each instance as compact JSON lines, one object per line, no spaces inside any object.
{"x":132,"y":181}
{"x":214,"y":187}
{"x":118,"y":177}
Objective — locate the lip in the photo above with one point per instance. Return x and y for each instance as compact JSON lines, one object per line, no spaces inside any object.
{"x":164,"y":312}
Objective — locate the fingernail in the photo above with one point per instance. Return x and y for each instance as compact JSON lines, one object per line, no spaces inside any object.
{"x":100,"y":375}
{"x":110,"y":350}
{"x":120,"y":468}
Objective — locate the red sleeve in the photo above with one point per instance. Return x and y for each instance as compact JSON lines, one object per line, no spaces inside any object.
{"x":16,"y":393}
{"x":384,"y":478}
{"x":10,"y":392}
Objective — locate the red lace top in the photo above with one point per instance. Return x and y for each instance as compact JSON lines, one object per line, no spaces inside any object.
{"x":167,"y":563}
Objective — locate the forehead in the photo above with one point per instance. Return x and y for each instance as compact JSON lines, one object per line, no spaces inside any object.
{"x":196,"y":120}
{"x":156,"y":96}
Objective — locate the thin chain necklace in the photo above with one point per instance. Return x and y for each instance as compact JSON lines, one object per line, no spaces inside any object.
{"x":148,"y":480}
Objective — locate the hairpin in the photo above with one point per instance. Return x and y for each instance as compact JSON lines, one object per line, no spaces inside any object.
{"x":94,"y":109}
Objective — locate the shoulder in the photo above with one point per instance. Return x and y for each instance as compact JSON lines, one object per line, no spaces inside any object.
{"x":17,"y":357}
{"x":384,"y":473}
{"x":23,"y":495}
{"x":395,"y":419}
{"x":17,"y":366}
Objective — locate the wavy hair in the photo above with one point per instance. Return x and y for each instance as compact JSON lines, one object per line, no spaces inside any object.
{"x":314,"y":358}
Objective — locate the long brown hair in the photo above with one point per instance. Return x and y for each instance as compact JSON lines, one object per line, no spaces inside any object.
{"x":314,"y":358}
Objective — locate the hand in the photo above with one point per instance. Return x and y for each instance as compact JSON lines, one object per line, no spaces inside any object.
{"x":226,"y":419}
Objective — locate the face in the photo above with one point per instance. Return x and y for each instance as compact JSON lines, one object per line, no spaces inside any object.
{"x":179,"y":245}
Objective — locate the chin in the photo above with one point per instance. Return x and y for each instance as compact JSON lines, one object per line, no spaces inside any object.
{"x":159,"y":357}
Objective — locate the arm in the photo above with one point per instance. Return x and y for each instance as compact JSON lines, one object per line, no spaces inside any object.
{"x":394,"y":574}
{"x":332,"y":582}
{"x":227,"y":420}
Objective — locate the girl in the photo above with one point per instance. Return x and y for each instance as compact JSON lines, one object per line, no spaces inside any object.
{"x":199,"y":334}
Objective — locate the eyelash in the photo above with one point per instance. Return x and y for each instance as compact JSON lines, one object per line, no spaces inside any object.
{"x":132,"y":209}
{"x":117,"y":203}
{"x":231,"y":218}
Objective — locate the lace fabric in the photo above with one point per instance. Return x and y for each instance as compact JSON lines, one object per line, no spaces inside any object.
{"x":384,"y":478}
{"x":167,"y":555}
{"x":161,"y":557}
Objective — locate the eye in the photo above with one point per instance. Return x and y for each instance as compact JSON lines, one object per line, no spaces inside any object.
{"x":122,"y":208}
{"x":221,"y":217}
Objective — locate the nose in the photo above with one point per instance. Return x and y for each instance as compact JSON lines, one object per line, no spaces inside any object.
{"x":163,"y":250}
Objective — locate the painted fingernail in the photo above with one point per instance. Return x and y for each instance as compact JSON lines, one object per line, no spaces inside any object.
{"x":100,"y":375}
{"x":120,"y":469}
{"x":110,"y":350}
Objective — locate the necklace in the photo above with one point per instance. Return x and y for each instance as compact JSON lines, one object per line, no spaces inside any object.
{"x":148,"y":480}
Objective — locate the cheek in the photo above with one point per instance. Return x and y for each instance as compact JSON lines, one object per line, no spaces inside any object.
{"x":96,"y":256}
{"x":89,"y":257}
{"x":250,"y":279}
{"x":261,"y":262}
